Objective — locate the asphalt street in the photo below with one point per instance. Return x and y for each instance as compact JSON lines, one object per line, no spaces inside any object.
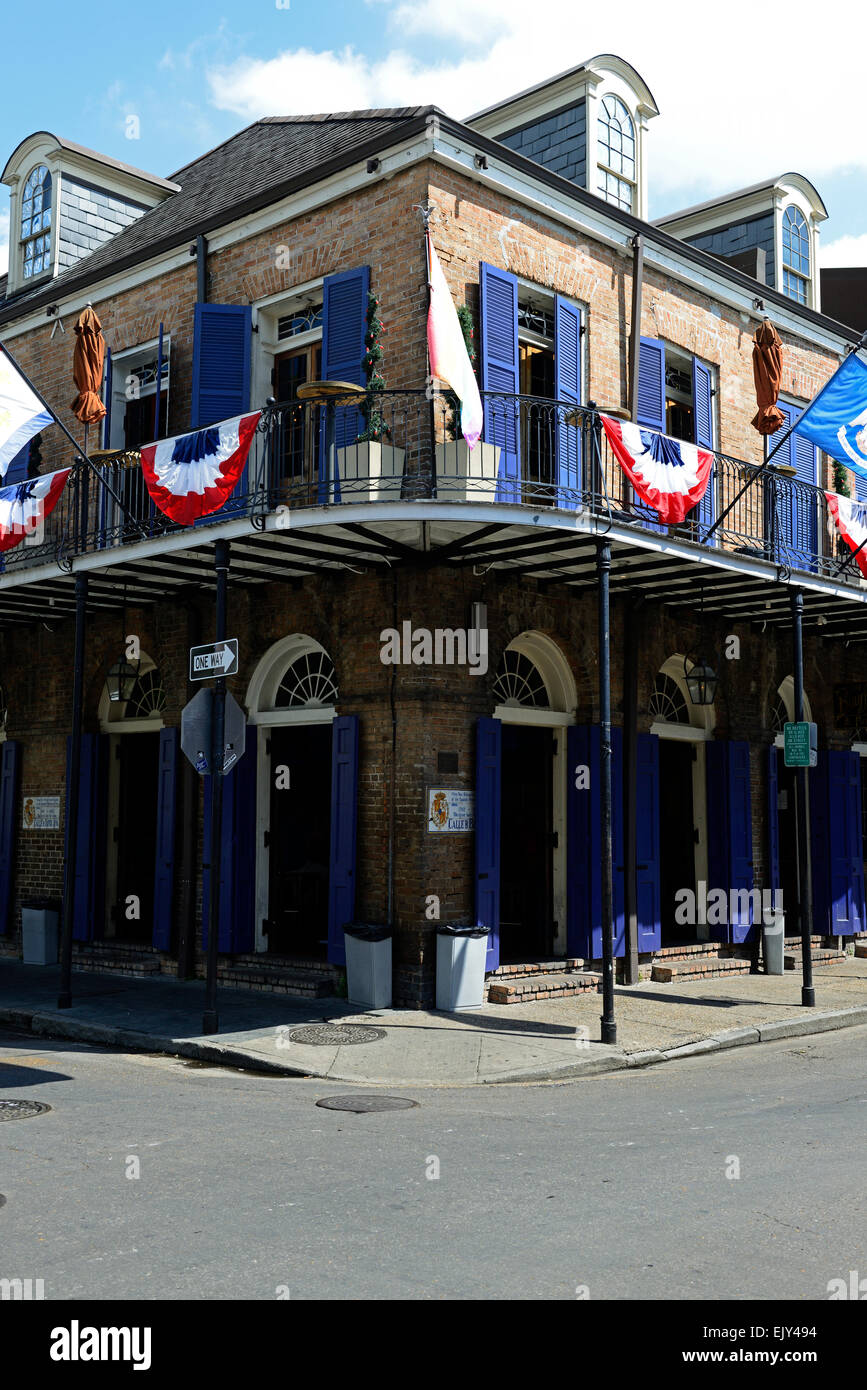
{"x":615,"y":1187}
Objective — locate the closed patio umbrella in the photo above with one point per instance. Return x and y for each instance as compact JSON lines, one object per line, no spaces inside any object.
{"x":87,"y":368}
{"x":768,"y":373}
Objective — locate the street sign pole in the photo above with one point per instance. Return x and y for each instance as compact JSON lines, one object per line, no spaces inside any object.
{"x":210,"y":1023}
{"x":805,"y":883}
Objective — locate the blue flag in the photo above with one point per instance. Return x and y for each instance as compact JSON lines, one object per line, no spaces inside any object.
{"x":837,"y":419}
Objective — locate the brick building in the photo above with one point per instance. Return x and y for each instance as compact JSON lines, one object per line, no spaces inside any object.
{"x":245,"y":277}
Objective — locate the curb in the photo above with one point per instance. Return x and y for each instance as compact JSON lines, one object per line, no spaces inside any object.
{"x":56,"y":1026}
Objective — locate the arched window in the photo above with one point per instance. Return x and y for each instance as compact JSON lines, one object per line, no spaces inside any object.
{"x":310,"y":680}
{"x":779,"y":714}
{"x":519,"y":682}
{"x":796,"y":255}
{"x":616,"y":174}
{"x":667,"y":702}
{"x":36,"y":222}
{"x":148,"y":698}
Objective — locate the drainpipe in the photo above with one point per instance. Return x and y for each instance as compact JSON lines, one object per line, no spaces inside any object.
{"x":201,"y":269}
{"x":603,"y":571}
{"x":630,"y":785}
{"x":805,"y":874}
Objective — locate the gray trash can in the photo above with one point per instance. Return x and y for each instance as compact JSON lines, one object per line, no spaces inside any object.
{"x":774,"y":944}
{"x":40,"y":919}
{"x":461,"y":954}
{"x":368,"y":965}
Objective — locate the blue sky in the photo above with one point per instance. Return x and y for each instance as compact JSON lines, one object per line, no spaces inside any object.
{"x":192,"y":74}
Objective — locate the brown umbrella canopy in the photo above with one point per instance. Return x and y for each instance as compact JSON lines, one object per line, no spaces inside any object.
{"x":87,"y":364}
{"x":768,"y":372}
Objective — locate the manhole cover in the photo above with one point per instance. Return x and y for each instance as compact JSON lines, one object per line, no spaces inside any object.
{"x":21,"y":1109}
{"x":335,"y":1034}
{"x":363,"y":1105}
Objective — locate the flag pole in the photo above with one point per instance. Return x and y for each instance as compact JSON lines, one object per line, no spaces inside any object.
{"x":788,"y":434}
{"x":80,"y":453}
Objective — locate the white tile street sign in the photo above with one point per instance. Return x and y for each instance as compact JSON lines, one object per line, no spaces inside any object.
{"x":214,"y":659}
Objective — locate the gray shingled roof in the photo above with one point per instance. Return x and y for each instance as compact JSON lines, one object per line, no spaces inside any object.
{"x":253,"y":168}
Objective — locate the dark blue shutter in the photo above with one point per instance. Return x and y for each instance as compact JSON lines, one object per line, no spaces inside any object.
{"x":730,"y":830}
{"x":584,"y":843}
{"x":647,"y":843}
{"x":237,"y":855}
{"x":344,"y":325}
{"x":87,"y":862}
{"x":18,"y":466}
{"x":344,"y":820}
{"x":106,"y":400}
{"x":702,"y":398}
{"x":567,"y":367}
{"x":221,"y":376}
{"x":651,"y":384}
{"x":498,"y":291}
{"x":164,"y":874}
{"x":846,"y":866}
{"x":773,"y":813}
{"x":489,"y":744}
{"x":10,"y":765}
{"x":819,"y":843}
{"x":797,"y":518}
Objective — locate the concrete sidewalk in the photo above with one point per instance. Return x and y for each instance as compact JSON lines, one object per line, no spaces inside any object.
{"x":552,"y":1040}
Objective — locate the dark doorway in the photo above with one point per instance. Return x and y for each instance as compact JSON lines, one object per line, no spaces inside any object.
{"x":787,"y":822}
{"x":136,"y":834}
{"x":526,"y":840}
{"x":299,"y":841}
{"x":296,"y":439}
{"x":676,"y":836}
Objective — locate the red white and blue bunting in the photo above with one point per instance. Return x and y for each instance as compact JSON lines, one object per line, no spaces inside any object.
{"x":24,"y":506}
{"x":667,"y":474}
{"x":850,"y":519}
{"x":193,"y":475}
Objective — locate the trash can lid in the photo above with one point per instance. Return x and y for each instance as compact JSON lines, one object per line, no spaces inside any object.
{"x":367,"y":931}
{"x":463,"y":929}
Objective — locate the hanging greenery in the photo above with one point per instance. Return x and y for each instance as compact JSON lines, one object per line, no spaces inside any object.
{"x":841,"y":480}
{"x":375,"y":426}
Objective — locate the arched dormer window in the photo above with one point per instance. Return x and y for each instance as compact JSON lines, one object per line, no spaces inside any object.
{"x":616,"y":154}
{"x":796,"y":255}
{"x":36,"y":222}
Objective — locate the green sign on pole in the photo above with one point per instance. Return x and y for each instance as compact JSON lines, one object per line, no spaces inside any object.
{"x":799,"y":745}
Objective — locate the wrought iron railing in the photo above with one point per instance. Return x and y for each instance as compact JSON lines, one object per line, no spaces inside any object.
{"x":408,"y":444}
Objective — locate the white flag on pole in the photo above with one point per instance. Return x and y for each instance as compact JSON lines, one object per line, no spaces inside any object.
{"x":22,"y":414}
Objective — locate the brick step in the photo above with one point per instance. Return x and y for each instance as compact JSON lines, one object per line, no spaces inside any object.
{"x":264,"y":960}
{"x":117,"y":965}
{"x":562,"y":965}
{"x":698,"y":968}
{"x":792,"y":960}
{"x":793,"y":943}
{"x":304,"y":985}
{"x":861,"y":950}
{"x":686,"y":950}
{"x":560,"y":985}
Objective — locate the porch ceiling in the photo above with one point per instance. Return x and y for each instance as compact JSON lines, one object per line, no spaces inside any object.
{"x":548,"y":548}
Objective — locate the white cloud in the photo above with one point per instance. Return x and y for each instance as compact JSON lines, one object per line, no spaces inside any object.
{"x":4,"y":242}
{"x":730,"y":114}
{"x":845,"y":251}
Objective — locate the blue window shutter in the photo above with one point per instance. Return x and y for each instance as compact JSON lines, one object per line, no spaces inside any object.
{"x":567,"y":386}
{"x":164,"y":873}
{"x":651,"y":384}
{"x":498,"y":294}
{"x":344,"y":819}
{"x":647,"y":843}
{"x":87,"y":862}
{"x":797,"y":518}
{"x":584,"y":843}
{"x":17,"y":470}
{"x":489,"y":764}
{"x":819,"y":844}
{"x":106,"y":400}
{"x":702,"y":398}
{"x":344,"y":325}
{"x":243,"y":932}
{"x":730,"y":829}
{"x":773,"y":814}
{"x":221,"y":363}
{"x":10,"y":771}
{"x":845,"y":864}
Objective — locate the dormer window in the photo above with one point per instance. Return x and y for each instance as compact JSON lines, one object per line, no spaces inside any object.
{"x":616,"y":175}
{"x":796,"y":255}
{"x":36,"y":222}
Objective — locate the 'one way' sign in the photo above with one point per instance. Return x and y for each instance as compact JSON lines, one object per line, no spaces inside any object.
{"x":215,"y":659}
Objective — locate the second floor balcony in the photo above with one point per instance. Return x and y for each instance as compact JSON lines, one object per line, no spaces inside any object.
{"x":535,"y":454}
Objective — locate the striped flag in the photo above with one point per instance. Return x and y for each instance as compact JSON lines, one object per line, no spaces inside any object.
{"x":668,"y":474}
{"x":24,"y":506}
{"x":449,"y":359}
{"x":193,"y":475}
{"x":22,"y":414}
{"x":850,"y":519}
